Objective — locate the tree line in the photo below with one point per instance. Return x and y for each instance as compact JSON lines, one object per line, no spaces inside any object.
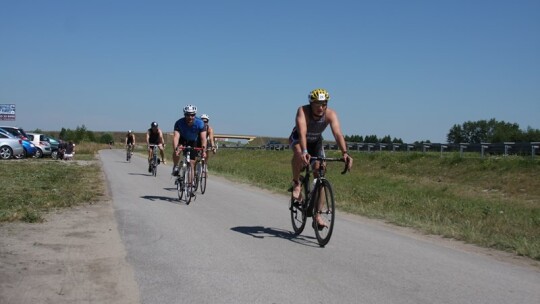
{"x":81,"y":134}
{"x":372,"y":139}
{"x":491,"y":131}
{"x":472,"y":132}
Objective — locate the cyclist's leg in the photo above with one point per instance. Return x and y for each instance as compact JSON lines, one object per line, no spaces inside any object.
{"x":161,"y":153}
{"x":297,"y":164}
{"x":149,"y":153}
{"x":192,"y":172}
{"x":321,"y":197}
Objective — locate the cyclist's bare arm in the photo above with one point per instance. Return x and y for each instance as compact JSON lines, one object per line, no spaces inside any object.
{"x":211,"y":136}
{"x":333,"y":120}
{"x":301,"y":128}
{"x":204,"y":144}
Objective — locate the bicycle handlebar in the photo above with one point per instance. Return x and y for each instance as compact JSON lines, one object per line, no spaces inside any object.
{"x":333,"y":159}
{"x":179,"y":148}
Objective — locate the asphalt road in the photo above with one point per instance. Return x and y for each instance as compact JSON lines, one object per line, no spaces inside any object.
{"x":234,"y":244}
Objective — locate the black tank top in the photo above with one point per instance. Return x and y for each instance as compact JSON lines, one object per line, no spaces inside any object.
{"x":315,"y":127}
{"x":153,"y":137}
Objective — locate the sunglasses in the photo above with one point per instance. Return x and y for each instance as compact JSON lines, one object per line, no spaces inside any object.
{"x":205,"y":121}
{"x":189,"y":114}
{"x":320,"y":103}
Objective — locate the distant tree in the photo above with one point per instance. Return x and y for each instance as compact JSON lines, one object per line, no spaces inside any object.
{"x":371,"y":139}
{"x":531,"y":135}
{"x":62,"y":134}
{"x":80,"y":133}
{"x":386,"y":140}
{"x":456,"y":135}
{"x":106,"y":138}
{"x":353,"y":138}
{"x":489,"y":131}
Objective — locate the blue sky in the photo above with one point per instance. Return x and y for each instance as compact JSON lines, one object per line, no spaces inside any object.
{"x":408,"y":69}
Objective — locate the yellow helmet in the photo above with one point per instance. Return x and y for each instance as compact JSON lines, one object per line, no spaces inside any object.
{"x":319,"y":95}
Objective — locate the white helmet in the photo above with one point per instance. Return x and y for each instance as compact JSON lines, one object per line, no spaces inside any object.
{"x":191,"y":109}
{"x":205,"y":116}
{"x":129,"y":131}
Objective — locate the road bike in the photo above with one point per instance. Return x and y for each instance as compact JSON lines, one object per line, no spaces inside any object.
{"x":154,"y":161}
{"x":129,"y":152}
{"x":184,"y":183}
{"x":315,"y":201}
{"x":201,"y":173}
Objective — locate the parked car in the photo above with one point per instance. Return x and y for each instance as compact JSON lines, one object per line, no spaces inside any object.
{"x":29,"y":148}
{"x":54,"y":146}
{"x":42,"y":144}
{"x":19,"y":132}
{"x":10,"y":146}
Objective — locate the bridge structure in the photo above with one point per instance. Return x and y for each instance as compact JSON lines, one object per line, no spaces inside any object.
{"x":226,"y":137}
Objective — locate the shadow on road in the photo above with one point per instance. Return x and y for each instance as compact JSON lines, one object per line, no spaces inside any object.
{"x":261,"y":232}
{"x":142,"y":174}
{"x":161,"y":198}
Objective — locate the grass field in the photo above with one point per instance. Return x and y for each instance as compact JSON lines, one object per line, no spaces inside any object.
{"x":492,"y":202}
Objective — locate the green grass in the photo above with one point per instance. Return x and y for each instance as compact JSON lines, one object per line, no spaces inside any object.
{"x":492,"y":202}
{"x":32,"y":187}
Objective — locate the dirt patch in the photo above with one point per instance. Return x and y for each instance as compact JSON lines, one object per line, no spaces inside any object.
{"x":75,"y":256}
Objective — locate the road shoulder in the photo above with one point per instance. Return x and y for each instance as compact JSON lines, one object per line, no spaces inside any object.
{"x":75,"y":256}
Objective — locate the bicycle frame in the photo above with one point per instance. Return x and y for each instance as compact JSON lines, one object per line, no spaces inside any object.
{"x":182,"y":184}
{"x":318,"y":201}
{"x":129,"y":149}
{"x":154,"y":160}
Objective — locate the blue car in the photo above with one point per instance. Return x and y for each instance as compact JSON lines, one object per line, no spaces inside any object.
{"x":29,"y":147}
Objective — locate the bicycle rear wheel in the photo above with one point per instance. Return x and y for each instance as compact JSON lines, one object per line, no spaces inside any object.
{"x":189,"y":185}
{"x":204,"y":176}
{"x":154,"y":161}
{"x":198,"y":169}
{"x":298,"y":216}
{"x":323,"y":206}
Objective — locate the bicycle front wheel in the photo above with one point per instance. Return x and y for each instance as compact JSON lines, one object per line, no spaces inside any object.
{"x":203,"y":177}
{"x":180,"y":187}
{"x":324,"y":208}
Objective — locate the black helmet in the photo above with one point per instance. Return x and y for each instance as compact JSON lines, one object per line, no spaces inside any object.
{"x":153,"y":124}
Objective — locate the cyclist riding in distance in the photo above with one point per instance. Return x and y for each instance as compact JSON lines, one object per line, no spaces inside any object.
{"x":186,"y":132}
{"x":130,"y":140}
{"x":154,"y":136}
{"x":209,"y":135}
{"x":306,"y":138}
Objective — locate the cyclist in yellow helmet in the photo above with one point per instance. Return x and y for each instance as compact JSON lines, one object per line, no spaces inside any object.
{"x":306,"y":138}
